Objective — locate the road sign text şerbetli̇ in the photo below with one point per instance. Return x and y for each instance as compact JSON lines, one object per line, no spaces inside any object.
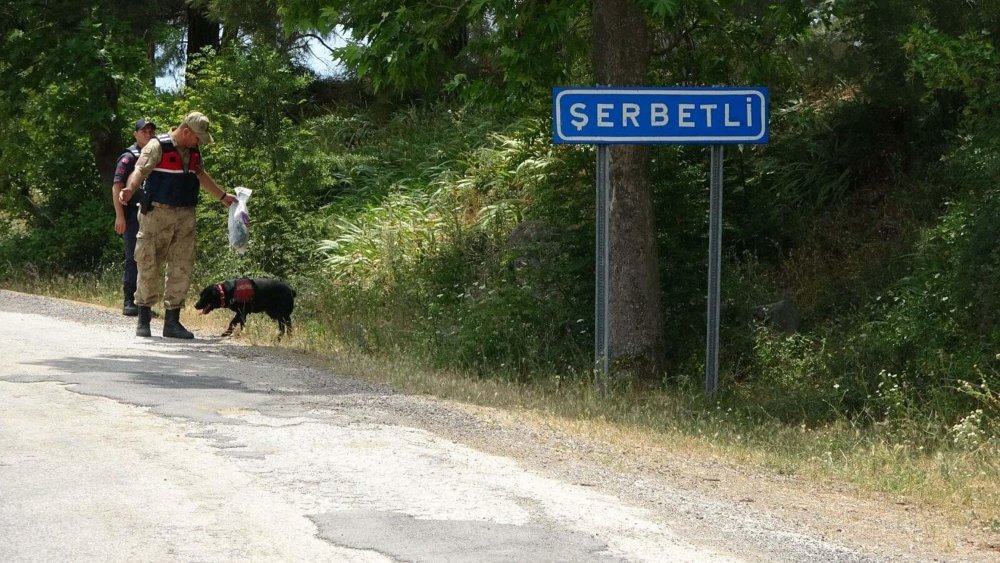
{"x":660,"y":115}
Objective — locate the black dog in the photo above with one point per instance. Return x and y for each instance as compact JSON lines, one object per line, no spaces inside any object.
{"x":250,"y":295}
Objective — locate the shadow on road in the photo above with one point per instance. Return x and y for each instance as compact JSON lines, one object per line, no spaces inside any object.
{"x":199,"y":369}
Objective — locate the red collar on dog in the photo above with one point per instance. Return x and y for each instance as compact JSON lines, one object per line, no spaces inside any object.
{"x":222,"y":295}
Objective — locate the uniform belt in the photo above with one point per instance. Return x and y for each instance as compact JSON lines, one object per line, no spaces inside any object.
{"x":165,"y":206}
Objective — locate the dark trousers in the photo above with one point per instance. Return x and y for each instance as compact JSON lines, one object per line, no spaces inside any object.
{"x":130,"y":269}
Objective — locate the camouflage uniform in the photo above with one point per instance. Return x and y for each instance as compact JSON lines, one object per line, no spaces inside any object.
{"x":171,"y":167}
{"x":166,"y":236}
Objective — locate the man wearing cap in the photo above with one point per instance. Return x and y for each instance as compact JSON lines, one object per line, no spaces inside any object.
{"x":171,"y":167}
{"x":126,"y":215}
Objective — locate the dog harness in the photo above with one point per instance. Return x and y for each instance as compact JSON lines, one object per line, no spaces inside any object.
{"x":243,"y":292}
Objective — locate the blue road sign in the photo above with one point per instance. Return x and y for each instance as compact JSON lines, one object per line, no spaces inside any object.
{"x":604,"y":115}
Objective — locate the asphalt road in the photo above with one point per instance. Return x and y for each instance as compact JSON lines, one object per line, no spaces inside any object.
{"x":117,"y":448}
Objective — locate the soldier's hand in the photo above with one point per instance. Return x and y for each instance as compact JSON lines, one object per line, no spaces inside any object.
{"x":125,"y":194}
{"x":228,"y":200}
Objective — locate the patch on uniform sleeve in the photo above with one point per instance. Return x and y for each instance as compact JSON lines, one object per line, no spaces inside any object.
{"x":124,"y":168}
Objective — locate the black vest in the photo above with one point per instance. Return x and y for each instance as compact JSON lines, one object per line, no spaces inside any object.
{"x":169,"y":183}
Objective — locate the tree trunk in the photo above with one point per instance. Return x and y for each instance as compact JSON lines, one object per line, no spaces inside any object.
{"x":104,"y":140}
{"x":106,"y":148}
{"x":201,"y":32}
{"x":620,"y":56}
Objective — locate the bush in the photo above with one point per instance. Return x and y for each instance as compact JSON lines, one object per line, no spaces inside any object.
{"x":449,"y":261}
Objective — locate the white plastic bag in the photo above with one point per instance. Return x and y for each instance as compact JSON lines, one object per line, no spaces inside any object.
{"x":239,"y":221}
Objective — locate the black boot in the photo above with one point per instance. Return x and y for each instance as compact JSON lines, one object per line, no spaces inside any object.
{"x":172,"y":327}
{"x":128,"y":307}
{"x":142,"y":329}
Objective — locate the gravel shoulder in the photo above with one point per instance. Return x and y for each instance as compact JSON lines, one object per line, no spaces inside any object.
{"x":716,"y":498}
{"x":755,"y":514}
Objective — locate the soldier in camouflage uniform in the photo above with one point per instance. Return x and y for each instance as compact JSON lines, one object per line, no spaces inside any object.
{"x":171,"y":166}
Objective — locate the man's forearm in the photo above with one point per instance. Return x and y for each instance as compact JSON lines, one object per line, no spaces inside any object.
{"x":135,"y":180}
{"x":208,"y":184}
{"x":115,"y":189}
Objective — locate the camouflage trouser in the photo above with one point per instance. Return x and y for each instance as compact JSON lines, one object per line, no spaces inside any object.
{"x":166,"y":235}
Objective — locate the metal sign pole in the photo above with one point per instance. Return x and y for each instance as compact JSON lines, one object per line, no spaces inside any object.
{"x":714,"y":272}
{"x":606,"y":115}
{"x":601,"y":276}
